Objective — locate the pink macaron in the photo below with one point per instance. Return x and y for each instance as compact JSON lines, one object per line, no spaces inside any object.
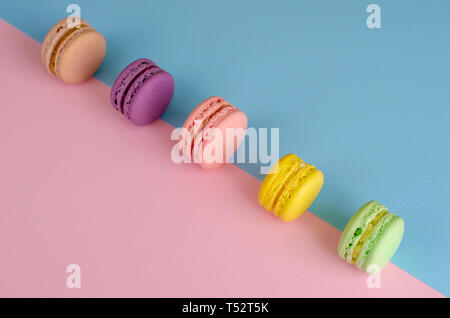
{"x":213,"y":132}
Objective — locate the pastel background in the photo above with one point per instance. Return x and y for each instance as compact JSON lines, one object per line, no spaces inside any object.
{"x":370,"y":108}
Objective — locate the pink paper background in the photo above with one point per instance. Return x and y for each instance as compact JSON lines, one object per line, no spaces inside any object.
{"x":80,"y":184}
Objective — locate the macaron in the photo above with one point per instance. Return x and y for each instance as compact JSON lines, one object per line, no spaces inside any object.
{"x":73,"y":54}
{"x":371,"y":237}
{"x":290,"y":187}
{"x":142,"y":91}
{"x":214,"y":130}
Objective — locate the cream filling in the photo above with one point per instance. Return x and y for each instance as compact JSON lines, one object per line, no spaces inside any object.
{"x":374,"y":236}
{"x":359,"y":229}
{"x":58,"y":46}
{"x":291,"y":186}
{"x":207,"y":123}
{"x":284,"y":175}
{"x":366,"y":233}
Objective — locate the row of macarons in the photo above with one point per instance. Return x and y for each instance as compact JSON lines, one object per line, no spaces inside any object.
{"x":143,"y":91}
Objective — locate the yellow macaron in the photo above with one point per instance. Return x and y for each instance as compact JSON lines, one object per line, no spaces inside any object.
{"x":290,"y":187}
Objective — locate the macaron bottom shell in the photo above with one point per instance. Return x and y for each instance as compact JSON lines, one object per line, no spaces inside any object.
{"x":302,"y":198}
{"x":384,"y":247}
{"x":81,"y":58}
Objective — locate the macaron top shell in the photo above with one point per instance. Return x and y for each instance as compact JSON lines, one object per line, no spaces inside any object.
{"x":81,"y":58}
{"x":142,"y":91}
{"x":382,"y":245}
{"x":301,"y":195}
{"x":73,"y":54}
{"x":205,"y":109}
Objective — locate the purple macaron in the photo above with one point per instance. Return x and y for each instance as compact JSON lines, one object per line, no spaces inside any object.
{"x":142,"y":91}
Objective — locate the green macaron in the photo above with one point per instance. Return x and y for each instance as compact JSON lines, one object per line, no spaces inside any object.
{"x":371,"y":237}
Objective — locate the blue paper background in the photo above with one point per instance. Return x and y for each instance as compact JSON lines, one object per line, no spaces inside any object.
{"x":370,"y":108}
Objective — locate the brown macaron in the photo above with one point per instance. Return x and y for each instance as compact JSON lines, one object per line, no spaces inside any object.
{"x":73,"y":54}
